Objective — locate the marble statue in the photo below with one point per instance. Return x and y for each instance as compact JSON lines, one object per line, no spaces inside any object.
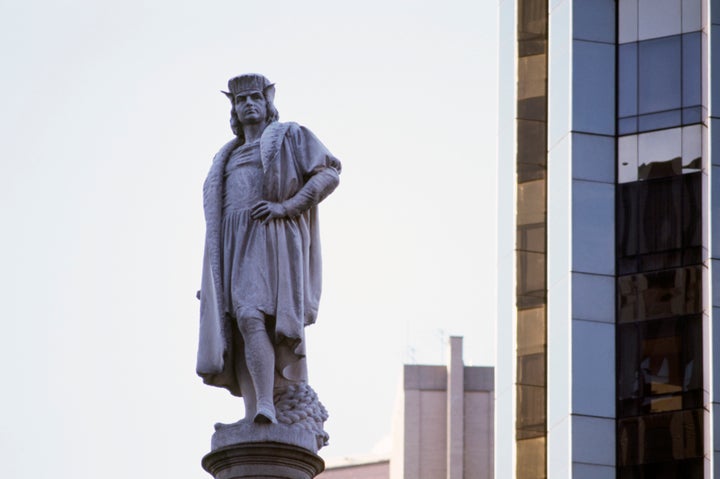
{"x":261,"y":276}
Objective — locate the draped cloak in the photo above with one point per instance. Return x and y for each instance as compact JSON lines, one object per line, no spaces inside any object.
{"x":291,"y":155}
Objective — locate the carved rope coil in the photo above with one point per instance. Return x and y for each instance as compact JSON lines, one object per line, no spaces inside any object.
{"x":298,"y":406}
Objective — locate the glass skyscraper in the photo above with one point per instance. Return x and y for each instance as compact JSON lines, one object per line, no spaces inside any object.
{"x":609,"y":237}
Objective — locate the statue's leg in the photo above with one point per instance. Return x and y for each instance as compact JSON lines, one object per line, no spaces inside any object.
{"x":245,"y":380}
{"x":260,"y":360}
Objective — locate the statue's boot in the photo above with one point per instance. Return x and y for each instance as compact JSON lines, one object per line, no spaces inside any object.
{"x":265,"y":413}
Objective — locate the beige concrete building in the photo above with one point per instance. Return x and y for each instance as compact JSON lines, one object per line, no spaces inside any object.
{"x":360,"y":469}
{"x":443,"y":425}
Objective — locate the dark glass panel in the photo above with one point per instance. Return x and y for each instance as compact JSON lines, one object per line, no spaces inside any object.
{"x":692,"y":375}
{"x":692,"y":210}
{"x":660,"y":438}
{"x":627,"y":220}
{"x":532,"y":27}
{"x":662,"y":219}
{"x":531,"y":411}
{"x":531,"y":45}
{"x":532,"y":87}
{"x":627,"y":265}
{"x":530,"y":274}
{"x":533,"y":108}
{"x":531,"y":331}
{"x":531,"y":203}
{"x":534,"y":299}
{"x":656,"y":261}
{"x":627,"y":79}
{"x":659,"y":365}
{"x":531,"y":369}
{"x":627,"y":298}
{"x":531,"y":165}
{"x":687,"y":469}
{"x":659,"y":78}
{"x":669,"y":292}
{"x":532,"y":237}
{"x":532,"y":18}
{"x":693,"y":255}
{"x":531,"y":458}
{"x":628,"y":357}
{"x":691,"y":69}
{"x":532,"y":150}
{"x":660,"y":215}
{"x":530,"y":172}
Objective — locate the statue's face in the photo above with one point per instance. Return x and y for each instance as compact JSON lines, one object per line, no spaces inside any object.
{"x":250,"y":107}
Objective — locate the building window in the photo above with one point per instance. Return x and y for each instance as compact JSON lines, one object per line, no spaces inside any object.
{"x":661,"y":153}
{"x":660,"y":83}
{"x":659,"y":223}
{"x":659,"y":366}
{"x":661,"y":446}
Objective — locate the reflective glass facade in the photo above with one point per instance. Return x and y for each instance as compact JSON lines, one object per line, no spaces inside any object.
{"x":659,"y":241}
{"x":659,"y":83}
{"x":531,"y":161}
{"x":616,"y":208}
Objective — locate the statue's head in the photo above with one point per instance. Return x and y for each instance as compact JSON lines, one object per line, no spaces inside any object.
{"x":250,"y":88}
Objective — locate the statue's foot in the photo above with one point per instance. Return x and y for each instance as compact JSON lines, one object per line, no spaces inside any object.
{"x":221,"y":425}
{"x":265,"y":414}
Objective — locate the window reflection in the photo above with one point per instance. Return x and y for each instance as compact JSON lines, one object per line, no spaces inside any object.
{"x":659,"y":74}
{"x":659,"y":240}
{"x":660,"y":205}
{"x":660,"y":294}
{"x":660,"y":437}
{"x":692,"y":148}
{"x":659,"y":366}
{"x":692,"y":211}
{"x":659,"y":18}
{"x":659,"y":223}
{"x":662,"y":153}
{"x":660,"y":83}
{"x":692,"y":69}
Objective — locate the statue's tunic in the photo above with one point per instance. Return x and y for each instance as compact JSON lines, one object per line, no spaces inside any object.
{"x":274,"y":268}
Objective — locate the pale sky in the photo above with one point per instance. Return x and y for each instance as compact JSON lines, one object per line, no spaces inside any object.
{"x":110,"y":116}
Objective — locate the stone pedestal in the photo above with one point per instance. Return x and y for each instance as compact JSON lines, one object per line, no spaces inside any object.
{"x":286,"y":450}
{"x":263,"y":460}
{"x":246,"y":450}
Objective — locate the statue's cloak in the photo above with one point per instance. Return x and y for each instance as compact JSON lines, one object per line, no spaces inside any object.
{"x":290,"y":156}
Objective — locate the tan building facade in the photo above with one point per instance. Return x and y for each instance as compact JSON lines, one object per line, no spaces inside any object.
{"x":376,"y":469}
{"x":443,"y":425}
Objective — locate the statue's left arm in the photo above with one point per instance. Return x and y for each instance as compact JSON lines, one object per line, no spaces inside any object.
{"x":321,"y":171}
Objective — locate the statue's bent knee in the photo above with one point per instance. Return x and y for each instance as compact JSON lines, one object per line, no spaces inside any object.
{"x":250,"y":323}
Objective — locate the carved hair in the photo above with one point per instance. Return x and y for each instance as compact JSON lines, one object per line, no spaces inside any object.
{"x":271,"y":115}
